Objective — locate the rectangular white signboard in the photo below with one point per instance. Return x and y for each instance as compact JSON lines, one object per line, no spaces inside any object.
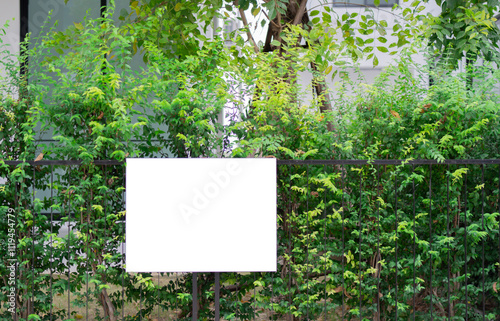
{"x":201,"y":215}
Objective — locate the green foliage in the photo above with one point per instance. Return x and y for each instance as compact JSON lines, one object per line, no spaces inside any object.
{"x":344,"y":232}
{"x":21,"y":224}
{"x":90,"y":91}
{"x":85,"y":96}
{"x":179,"y":28}
{"x":465,"y":29}
{"x":195,"y":111}
{"x":277,"y":109}
{"x":182,"y":28}
{"x":344,"y":229}
{"x":445,"y":121}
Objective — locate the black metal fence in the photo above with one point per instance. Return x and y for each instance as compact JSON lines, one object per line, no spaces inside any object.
{"x":357,"y":239}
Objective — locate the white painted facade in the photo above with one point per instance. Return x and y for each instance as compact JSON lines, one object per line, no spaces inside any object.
{"x":10,"y":12}
{"x":366,"y":68}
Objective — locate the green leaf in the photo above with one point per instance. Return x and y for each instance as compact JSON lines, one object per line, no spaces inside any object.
{"x":327,"y":17}
{"x":276,"y":43}
{"x":272,"y":12}
{"x":382,"y":49}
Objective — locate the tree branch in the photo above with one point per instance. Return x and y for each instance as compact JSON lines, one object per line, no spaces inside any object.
{"x":245,"y":24}
{"x":300,"y":13}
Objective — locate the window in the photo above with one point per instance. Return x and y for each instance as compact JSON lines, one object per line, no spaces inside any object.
{"x":368,"y":3}
{"x":34,"y":14}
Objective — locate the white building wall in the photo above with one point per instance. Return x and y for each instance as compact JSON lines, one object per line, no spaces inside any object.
{"x":380,"y":14}
{"x":9,"y":11}
{"x":366,"y":68}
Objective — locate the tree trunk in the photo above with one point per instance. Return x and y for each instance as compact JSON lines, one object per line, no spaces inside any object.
{"x":296,"y":14}
{"x":107,"y":305}
{"x":324,"y":97}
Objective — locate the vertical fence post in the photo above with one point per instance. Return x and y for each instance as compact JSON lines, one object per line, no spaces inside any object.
{"x":325,"y":216}
{"x":51,"y":241}
{"x":289,"y":230}
{"x":430,"y":235}
{"x":217,"y":296}
{"x":378,"y":265}
{"x":307,"y":244}
{"x":396,"y":231}
{"x":448,"y":235}
{"x":482,"y":241}
{"x":87,"y":255}
{"x":124,"y":198}
{"x":414,"y":242}
{"x":32,"y":303}
{"x":342,"y":170}
{"x":195,"y":296}
{"x":360,"y":239}
{"x":69,"y":241}
{"x":17,"y":207}
{"x":465,"y":242}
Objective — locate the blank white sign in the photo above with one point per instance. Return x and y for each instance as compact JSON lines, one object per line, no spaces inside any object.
{"x":201,"y":215}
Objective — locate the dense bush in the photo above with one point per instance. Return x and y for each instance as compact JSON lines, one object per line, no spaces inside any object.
{"x":85,"y":98}
{"x":339,"y":245}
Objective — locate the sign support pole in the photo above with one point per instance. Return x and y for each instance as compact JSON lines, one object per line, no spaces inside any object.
{"x":195,"y":296}
{"x":217,"y":296}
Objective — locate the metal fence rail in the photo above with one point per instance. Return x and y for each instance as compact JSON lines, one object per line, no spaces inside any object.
{"x":358,"y":239}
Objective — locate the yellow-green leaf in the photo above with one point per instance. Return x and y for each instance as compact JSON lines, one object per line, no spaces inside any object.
{"x":275,"y":43}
